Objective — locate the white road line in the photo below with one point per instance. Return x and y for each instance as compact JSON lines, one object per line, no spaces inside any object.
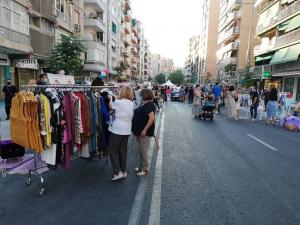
{"x":154,"y":218}
{"x":136,"y":211}
{"x":262,"y":142}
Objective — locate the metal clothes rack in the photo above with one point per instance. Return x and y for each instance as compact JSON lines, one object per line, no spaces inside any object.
{"x":37,"y":170}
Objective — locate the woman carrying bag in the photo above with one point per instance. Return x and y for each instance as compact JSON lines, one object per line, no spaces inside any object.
{"x":143,"y":126}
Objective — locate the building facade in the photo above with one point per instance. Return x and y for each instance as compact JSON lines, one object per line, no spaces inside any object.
{"x":208,"y":41}
{"x":192,"y":64}
{"x":277,"y":55}
{"x":236,"y":29}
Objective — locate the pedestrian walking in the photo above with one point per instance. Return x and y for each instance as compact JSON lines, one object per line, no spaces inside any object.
{"x":217,"y":91}
{"x":197,"y":106}
{"x":186,"y":93}
{"x":272,"y":106}
{"x":254,"y":103}
{"x":156,"y":99}
{"x":137,"y":96}
{"x":191,"y":95}
{"x":238,"y":103}
{"x":231,"y":99}
{"x":120,"y":130}
{"x":143,"y":127}
{"x":168,"y":92}
{"x":266,"y":98}
{"x":9,"y":91}
{"x":182,"y":94}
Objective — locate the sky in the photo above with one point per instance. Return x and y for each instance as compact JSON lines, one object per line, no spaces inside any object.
{"x":169,"y":24}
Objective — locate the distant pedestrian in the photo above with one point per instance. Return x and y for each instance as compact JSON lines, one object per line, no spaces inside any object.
{"x":266,"y":97}
{"x":197,"y":101}
{"x":191,"y":94}
{"x":120,"y":130}
{"x":42,"y":80}
{"x":231,"y":99}
{"x":217,"y":91}
{"x":254,"y":103}
{"x":186,"y":93}
{"x":182,"y":94}
{"x":143,"y":127}
{"x":272,"y":106}
{"x":9,"y":92}
{"x":168,"y":92}
{"x":238,"y":103}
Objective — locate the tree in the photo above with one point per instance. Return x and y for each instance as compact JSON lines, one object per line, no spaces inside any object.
{"x":176,"y":77}
{"x":160,"y":78}
{"x":66,"y":55}
{"x":247,"y":80}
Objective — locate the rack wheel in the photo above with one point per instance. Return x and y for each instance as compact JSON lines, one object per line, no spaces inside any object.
{"x":28,"y":182}
{"x":42,"y":192}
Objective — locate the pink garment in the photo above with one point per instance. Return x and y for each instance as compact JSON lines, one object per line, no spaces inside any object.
{"x":168,"y":91}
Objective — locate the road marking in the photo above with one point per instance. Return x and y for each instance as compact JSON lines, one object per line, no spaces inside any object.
{"x":136,"y":211}
{"x":262,"y":142}
{"x":154,"y":218}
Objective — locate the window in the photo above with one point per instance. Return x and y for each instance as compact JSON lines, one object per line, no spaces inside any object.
{"x":289,"y":85}
{"x":47,"y":27}
{"x":114,"y":27}
{"x":100,"y":37}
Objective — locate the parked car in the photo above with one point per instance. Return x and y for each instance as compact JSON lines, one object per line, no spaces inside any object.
{"x":175,"y":94}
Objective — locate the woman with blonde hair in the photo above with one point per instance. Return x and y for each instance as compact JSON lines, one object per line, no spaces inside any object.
{"x":120,"y":130}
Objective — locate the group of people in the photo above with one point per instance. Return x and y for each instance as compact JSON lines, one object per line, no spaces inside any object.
{"x":129,"y":119}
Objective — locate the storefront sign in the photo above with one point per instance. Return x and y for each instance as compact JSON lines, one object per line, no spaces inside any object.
{"x":266,"y":74}
{"x":60,"y":79}
{"x":27,"y":64}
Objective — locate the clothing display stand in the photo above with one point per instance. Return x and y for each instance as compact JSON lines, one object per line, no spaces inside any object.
{"x":31,"y":163}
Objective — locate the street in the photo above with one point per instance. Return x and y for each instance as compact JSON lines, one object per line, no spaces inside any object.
{"x":205,"y":173}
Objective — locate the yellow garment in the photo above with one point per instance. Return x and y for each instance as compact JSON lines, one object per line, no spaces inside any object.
{"x":47,"y":112}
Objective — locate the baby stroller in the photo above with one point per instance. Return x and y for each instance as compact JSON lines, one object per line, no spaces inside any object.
{"x":208,"y":111}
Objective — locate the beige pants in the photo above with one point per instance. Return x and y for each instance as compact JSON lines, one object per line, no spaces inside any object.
{"x":144,"y":145}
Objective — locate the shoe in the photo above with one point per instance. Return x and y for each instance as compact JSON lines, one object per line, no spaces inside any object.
{"x":117,"y":177}
{"x":252,"y":119}
{"x":136,"y":169}
{"x":142,"y":173}
{"x":125,"y":175}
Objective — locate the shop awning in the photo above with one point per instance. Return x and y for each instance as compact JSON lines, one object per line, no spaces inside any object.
{"x":262,"y":58}
{"x":284,"y":55}
{"x":283,"y":26}
{"x":293,"y":24}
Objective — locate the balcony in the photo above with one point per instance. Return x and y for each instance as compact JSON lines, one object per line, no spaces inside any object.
{"x":229,"y":61}
{"x":134,"y":50}
{"x":91,"y":44}
{"x":126,"y":52}
{"x":114,"y":53}
{"x":231,"y":47}
{"x":265,"y":47}
{"x":93,"y":65}
{"x":266,"y":25}
{"x":64,"y":21}
{"x":288,"y":11}
{"x":232,"y":5}
{"x":127,"y":28}
{"x":15,"y":41}
{"x":95,"y":23}
{"x":98,"y":5}
{"x":229,"y":34}
{"x":288,"y":38}
{"x":232,"y":16}
{"x":134,"y":39}
{"x":128,"y":16}
{"x":264,"y":5}
{"x":127,"y":40}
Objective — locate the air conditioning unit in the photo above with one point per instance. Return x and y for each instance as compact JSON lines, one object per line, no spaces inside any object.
{"x":77,"y":27}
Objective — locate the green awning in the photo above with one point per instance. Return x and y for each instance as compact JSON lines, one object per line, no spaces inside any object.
{"x":293,"y":24}
{"x":278,"y":56}
{"x":262,"y":58}
{"x":286,"y":54}
{"x":283,"y":26}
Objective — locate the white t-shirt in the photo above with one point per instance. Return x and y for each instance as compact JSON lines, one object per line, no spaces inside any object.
{"x":138,"y":98}
{"x":121,"y":124}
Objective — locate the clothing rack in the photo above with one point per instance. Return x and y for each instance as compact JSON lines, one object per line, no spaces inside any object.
{"x":37,"y":167}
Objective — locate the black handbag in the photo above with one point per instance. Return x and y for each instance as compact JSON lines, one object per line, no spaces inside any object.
{"x":9,"y":150}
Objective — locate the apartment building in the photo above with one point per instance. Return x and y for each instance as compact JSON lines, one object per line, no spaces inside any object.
{"x":14,"y":39}
{"x":208,"y":40}
{"x":236,"y":29}
{"x":192,"y":61}
{"x":277,"y":56}
{"x":94,"y":37}
{"x":135,"y":55}
{"x":155,"y":65}
{"x":147,"y":61}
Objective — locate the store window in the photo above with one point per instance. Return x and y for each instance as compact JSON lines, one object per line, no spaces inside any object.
{"x":289,"y":85}
{"x":298,"y":91}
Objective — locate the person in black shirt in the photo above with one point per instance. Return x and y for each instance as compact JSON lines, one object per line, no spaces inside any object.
{"x":143,"y":127}
{"x":255,"y":103}
{"x":42,"y":80}
{"x":9,"y":92}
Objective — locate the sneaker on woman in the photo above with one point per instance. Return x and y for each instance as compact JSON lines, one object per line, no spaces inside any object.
{"x":117,"y":177}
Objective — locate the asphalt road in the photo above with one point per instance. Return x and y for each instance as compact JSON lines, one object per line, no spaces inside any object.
{"x":221,"y":172}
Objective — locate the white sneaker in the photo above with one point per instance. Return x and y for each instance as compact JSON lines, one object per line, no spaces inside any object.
{"x":125,"y":174}
{"x":117,"y":177}
{"x":252,"y":119}
{"x":136,"y":169}
{"x":142,"y":173}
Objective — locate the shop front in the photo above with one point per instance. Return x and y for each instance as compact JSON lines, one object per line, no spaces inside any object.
{"x":26,"y":70}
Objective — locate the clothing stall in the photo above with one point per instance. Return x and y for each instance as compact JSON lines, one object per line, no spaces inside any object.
{"x":57,"y":124}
